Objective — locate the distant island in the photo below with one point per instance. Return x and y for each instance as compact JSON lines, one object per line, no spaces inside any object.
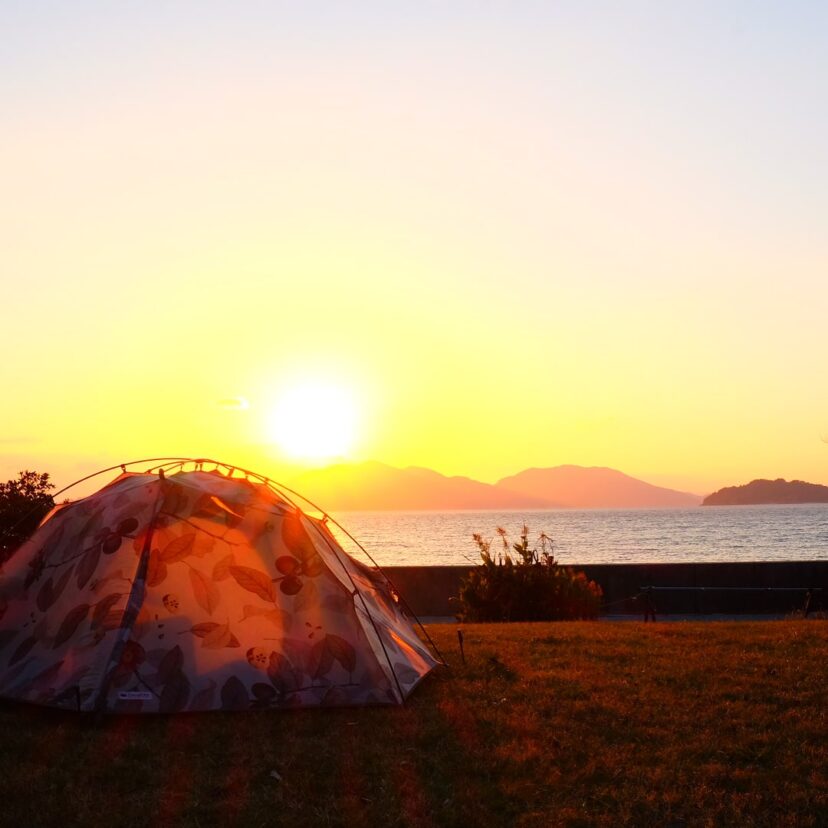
{"x":759,"y":492}
{"x":373,"y":486}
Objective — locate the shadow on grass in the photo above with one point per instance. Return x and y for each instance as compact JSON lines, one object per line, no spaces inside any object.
{"x":571,"y":725}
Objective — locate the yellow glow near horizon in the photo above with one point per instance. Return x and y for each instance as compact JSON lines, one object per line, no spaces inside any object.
{"x":314,"y":421}
{"x":546,"y":243}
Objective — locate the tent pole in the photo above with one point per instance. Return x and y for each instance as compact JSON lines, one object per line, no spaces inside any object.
{"x":367,"y":612}
{"x":336,"y":523}
{"x":278,"y":488}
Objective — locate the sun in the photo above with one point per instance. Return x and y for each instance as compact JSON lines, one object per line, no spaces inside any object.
{"x":314,"y":421}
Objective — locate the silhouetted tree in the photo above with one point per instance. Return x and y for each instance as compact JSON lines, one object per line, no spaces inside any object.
{"x":23,"y":504}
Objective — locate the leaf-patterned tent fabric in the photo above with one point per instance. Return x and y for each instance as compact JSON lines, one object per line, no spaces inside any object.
{"x":198,"y":591}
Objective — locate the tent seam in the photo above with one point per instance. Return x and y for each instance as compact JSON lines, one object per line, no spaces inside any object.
{"x":139,"y":582}
{"x":365,"y":607}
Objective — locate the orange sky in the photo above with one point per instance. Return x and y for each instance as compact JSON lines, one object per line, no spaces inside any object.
{"x":518,"y":237}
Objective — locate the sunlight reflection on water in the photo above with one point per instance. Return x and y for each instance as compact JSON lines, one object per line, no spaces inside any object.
{"x":710,"y":533}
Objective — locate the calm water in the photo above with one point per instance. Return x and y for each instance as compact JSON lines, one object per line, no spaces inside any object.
{"x":710,"y":533}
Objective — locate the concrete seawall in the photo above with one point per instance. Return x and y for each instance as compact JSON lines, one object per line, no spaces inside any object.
{"x":429,"y":589}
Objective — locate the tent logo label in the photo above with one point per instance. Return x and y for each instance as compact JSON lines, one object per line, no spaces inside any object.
{"x":134,"y":695}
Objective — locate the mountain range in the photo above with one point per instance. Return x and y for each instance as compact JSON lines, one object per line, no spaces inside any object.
{"x":376,"y":486}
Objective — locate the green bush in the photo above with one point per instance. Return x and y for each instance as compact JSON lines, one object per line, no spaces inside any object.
{"x":519,"y":583}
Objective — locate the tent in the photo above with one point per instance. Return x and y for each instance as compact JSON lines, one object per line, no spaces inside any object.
{"x":197,"y":590}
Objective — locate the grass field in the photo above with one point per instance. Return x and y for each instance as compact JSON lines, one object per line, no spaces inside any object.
{"x":576,"y":724}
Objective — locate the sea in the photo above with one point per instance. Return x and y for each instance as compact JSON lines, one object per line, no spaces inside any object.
{"x":584,"y":536}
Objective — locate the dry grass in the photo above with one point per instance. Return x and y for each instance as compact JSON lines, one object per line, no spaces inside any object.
{"x":576,"y":724}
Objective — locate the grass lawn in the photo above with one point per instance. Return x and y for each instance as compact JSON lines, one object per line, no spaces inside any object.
{"x":577,"y":724}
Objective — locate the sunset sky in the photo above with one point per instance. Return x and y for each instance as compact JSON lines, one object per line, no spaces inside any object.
{"x":472,"y":237}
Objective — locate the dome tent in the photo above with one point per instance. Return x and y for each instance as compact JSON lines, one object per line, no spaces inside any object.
{"x":187,"y":590}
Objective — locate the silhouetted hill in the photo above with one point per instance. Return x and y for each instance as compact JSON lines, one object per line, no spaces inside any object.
{"x":374,"y":486}
{"x":594,"y":488}
{"x":758,"y":492}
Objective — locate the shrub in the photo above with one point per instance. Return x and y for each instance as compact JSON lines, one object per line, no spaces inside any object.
{"x":528,"y":585}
